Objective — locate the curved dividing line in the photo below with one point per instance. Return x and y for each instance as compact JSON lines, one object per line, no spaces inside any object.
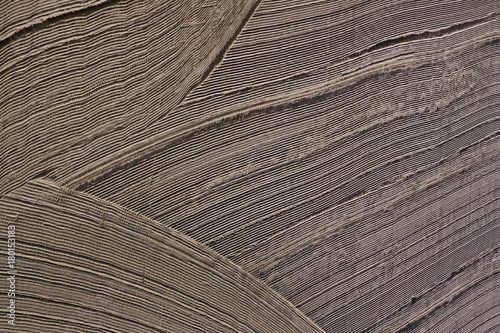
{"x":144,"y":150}
{"x":54,"y":19}
{"x":218,"y":59}
{"x":100,"y":241}
{"x":378,"y":46}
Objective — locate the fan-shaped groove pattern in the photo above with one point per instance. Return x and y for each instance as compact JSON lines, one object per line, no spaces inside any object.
{"x":77,"y":87}
{"x":80,"y":257}
{"x":343,"y":153}
{"x":349,"y":185}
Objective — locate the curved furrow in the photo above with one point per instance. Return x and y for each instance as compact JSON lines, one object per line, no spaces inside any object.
{"x":80,"y":257}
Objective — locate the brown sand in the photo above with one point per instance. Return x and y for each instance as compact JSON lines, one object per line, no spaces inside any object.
{"x":251,"y":166}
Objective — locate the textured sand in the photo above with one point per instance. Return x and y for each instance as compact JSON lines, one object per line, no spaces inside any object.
{"x":252,"y":166}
